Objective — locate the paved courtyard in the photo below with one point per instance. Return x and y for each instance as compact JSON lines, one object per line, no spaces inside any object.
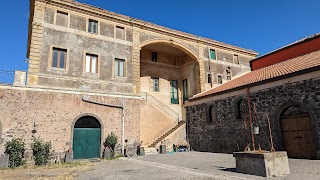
{"x":189,"y":165}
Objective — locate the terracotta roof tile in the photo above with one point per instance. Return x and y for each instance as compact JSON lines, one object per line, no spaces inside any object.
{"x":276,"y":70}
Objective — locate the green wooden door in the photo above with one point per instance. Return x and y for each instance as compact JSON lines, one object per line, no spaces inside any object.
{"x":174,"y":92}
{"x":86,"y":143}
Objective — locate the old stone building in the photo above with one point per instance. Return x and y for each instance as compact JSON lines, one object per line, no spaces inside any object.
{"x":87,"y":63}
{"x":284,"y":86}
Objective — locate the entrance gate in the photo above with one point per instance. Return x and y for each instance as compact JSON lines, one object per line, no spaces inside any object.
{"x":86,"y":138}
{"x":297,"y":134}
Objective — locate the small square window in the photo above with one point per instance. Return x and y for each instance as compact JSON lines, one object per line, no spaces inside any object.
{"x":62,"y":19}
{"x":91,"y":63}
{"x":155,"y":84}
{"x":212,"y":54}
{"x":59,"y":58}
{"x":120,"y":32}
{"x":93,"y":26}
{"x":219,"y":79}
{"x":154,"y":57}
{"x":119,"y":66}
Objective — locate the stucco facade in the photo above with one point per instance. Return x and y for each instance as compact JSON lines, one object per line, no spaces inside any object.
{"x":66,"y":25}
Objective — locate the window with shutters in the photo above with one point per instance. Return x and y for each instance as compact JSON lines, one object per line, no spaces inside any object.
{"x":91,"y":63}
{"x":213,"y":54}
{"x":59,"y":58}
{"x":93,"y":26}
{"x":119,"y":68}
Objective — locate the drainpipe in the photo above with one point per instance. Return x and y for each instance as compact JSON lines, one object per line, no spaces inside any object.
{"x":122,"y":146}
{"x":251,"y":121}
{"x":113,"y":106}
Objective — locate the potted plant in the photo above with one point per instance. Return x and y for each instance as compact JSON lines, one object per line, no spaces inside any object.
{"x":109,"y":145}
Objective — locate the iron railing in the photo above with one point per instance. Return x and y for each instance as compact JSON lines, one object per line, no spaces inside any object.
{"x":160,"y":105}
{"x":165,"y":130}
{"x":6,"y":77}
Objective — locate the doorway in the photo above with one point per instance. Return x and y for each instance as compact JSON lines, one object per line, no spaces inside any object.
{"x":297,"y":133}
{"x":86,"y":138}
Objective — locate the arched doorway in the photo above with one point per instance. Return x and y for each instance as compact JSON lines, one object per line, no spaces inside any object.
{"x":86,"y":138}
{"x":297,"y":134}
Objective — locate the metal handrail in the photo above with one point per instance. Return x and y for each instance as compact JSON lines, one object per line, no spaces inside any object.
{"x":160,"y":105}
{"x":6,"y":77}
{"x":166,"y":129}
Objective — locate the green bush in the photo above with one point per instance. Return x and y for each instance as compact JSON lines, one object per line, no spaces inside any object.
{"x":40,"y":151}
{"x":15,"y":150}
{"x":111,"y":141}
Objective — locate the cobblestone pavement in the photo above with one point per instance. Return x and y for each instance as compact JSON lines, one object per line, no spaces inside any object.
{"x":189,"y":165}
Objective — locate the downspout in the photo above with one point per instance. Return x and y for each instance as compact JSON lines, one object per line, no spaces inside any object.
{"x":250,"y":116}
{"x":113,"y":106}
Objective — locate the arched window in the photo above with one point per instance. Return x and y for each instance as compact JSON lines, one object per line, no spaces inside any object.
{"x":241,"y":109}
{"x":211,"y":114}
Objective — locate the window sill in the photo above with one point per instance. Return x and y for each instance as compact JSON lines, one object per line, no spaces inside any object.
{"x":90,"y":74}
{"x":119,"y":78}
{"x":58,"y":70}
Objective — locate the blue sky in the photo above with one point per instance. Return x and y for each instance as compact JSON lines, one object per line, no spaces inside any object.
{"x":259,"y":25}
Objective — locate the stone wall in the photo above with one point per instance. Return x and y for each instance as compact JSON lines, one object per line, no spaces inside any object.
{"x":227,"y":134}
{"x":54,"y":113}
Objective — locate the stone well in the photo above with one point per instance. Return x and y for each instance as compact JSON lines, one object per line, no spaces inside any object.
{"x":265,"y":163}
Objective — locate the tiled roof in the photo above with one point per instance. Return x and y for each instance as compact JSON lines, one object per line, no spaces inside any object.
{"x":276,"y":70}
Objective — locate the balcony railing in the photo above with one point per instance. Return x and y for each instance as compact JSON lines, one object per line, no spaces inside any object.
{"x":6,"y":77}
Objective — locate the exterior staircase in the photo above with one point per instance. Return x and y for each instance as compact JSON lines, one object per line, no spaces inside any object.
{"x":167,"y":130}
{"x":180,"y":123}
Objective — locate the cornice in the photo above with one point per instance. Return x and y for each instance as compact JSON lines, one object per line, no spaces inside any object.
{"x":138,"y":23}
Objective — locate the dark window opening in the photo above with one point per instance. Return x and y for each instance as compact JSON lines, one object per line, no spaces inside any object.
{"x":219,"y":79}
{"x":87,"y":122}
{"x":241,"y":109}
{"x":209,"y":79}
{"x":154,"y":57}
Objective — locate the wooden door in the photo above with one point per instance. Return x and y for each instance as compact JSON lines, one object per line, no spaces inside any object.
{"x":174,"y":92}
{"x":86,"y":143}
{"x":298,"y":137}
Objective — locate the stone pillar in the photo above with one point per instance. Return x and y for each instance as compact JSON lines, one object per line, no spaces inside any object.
{"x":20,"y":78}
{"x":136,"y":61}
{"x":35,"y":43}
{"x":201,"y":76}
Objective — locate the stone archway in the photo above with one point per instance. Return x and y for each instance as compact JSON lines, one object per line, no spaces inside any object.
{"x":86,"y":138}
{"x":297,"y":132}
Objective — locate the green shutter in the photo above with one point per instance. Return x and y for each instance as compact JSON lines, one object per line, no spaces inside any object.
{"x":174,"y":92}
{"x":212,"y":54}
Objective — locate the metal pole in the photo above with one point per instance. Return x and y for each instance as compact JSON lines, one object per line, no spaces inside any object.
{"x":122,"y":126}
{"x":250,"y":115}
